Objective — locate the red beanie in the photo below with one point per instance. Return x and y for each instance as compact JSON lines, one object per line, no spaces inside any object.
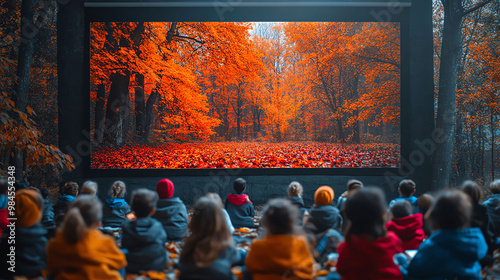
{"x":165,"y":188}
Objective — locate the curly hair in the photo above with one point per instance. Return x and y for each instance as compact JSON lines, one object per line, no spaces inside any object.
{"x":295,"y":189}
{"x":117,"y":190}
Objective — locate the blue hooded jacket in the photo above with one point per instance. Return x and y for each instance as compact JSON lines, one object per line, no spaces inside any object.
{"x":61,"y":208}
{"x":493,"y":210}
{"x":114,"y":211}
{"x":449,"y":254}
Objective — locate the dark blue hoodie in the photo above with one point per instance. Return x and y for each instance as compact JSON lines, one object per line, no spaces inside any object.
{"x":145,"y":240}
{"x":114,"y":211}
{"x":493,"y":210}
{"x":172,"y":214}
{"x":325,"y":217}
{"x":449,"y":254}
{"x":61,"y":208}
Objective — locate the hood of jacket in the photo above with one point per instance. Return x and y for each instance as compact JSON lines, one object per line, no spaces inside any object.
{"x":167,"y":202}
{"x":297,"y":200}
{"x":115,"y":202}
{"x":466,"y":244}
{"x":238,"y":199}
{"x":67,"y":198}
{"x":407,"y":228}
{"x":143,"y":230}
{"x":325,"y":217}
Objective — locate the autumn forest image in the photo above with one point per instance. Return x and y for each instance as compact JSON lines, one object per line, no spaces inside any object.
{"x":245,"y":94}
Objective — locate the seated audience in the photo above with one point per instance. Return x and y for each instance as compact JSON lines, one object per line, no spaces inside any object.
{"x":89,"y":187}
{"x":144,"y":238}
{"x":369,"y":249}
{"x":281,"y":253}
{"x":30,"y":241}
{"x":323,"y":221}
{"x":209,"y":251}
{"x":424,"y":202}
{"x":295,"y":196}
{"x":407,"y":189}
{"x":115,"y":208}
{"x":479,"y":216}
{"x":80,"y":250}
{"x":4,"y":199}
{"x":226,"y":215}
{"x":406,"y":226}
{"x":453,"y":251}
{"x":171,"y":211}
{"x":493,"y":208}
{"x":239,"y":207}
{"x":68,"y":193}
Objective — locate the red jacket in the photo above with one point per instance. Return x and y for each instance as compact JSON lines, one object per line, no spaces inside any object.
{"x":409,"y":230}
{"x":4,"y":214}
{"x":363,"y":259}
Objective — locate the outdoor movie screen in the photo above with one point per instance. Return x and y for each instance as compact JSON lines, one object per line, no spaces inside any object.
{"x":177,"y":95}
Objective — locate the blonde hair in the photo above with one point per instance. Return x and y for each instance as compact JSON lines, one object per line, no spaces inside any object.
{"x":295,"y":189}
{"x":215,"y":197}
{"x":89,"y":187}
{"x":82,"y":214}
{"x":117,"y":190}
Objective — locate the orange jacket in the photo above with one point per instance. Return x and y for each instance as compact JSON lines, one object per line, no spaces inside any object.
{"x":277,"y":257}
{"x":94,"y":257}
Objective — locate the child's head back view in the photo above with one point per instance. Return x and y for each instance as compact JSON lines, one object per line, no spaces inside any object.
{"x":280,"y":217}
{"x":239,"y":185}
{"x":495,"y":186}
{"x":324,"y":195}
{"x":353,"y":185}
{"x":143,"y":202}
{"x":29,"y":207}
{"x":366,"y":211}
{"x":473,"y":190}
{"x":117,"y":190}
{"x":209,"y":233}
{"x":215,"y":197}
{"x":452,"y":210}
{"x":69,"y":188}
{"x":84,"y":213}
{"x":401,"y":209}
{"x":295,"y":189}
{"x":165,"y":189}
{"x":89,"y":187}
{"x":407,"y":188}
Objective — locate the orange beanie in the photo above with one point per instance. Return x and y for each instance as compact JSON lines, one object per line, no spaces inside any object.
{"x":323,"y":196}
{"x":29,"y":207}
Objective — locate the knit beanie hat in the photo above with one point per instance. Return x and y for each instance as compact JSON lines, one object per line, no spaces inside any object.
{"x":165,"y":188}
{"x":29,"y":207}
{"x":323,"y":196}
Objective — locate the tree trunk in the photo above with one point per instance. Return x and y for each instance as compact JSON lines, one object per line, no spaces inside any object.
{"x":149,"y":115}
{"x":117,"y":109}
{"x":445,"y":123}
{"x":25,"y":58}
{"x":99,"y":112}
{"x":140,"y":120}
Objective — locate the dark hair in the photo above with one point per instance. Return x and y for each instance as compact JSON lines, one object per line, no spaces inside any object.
{"x":472,"y":189}
{"x":44,"y":193}
{"x":424,"y":202}
{"x":69,"y":188}
{"x":452,"y":210}
{"x":85,"y":211}
{"x":280,"y":217}
{"x":406,"y":187}
{"x":495,"y":186}
{"x":354,"y":185}
{"x":366,"y":211}
{"x":20,"y":185}
{"x":209,"y":234}
{"x":401,"y":209}
{"x":239,"y":185}
{"x":143,"y":201}
{"x":4,"y":186}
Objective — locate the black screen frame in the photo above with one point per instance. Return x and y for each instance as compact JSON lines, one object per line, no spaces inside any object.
{"x":241,"y":11}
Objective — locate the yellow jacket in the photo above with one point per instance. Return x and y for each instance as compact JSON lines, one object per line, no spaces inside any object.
{"x":277,"y":257}
{"x":96,"y":256}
